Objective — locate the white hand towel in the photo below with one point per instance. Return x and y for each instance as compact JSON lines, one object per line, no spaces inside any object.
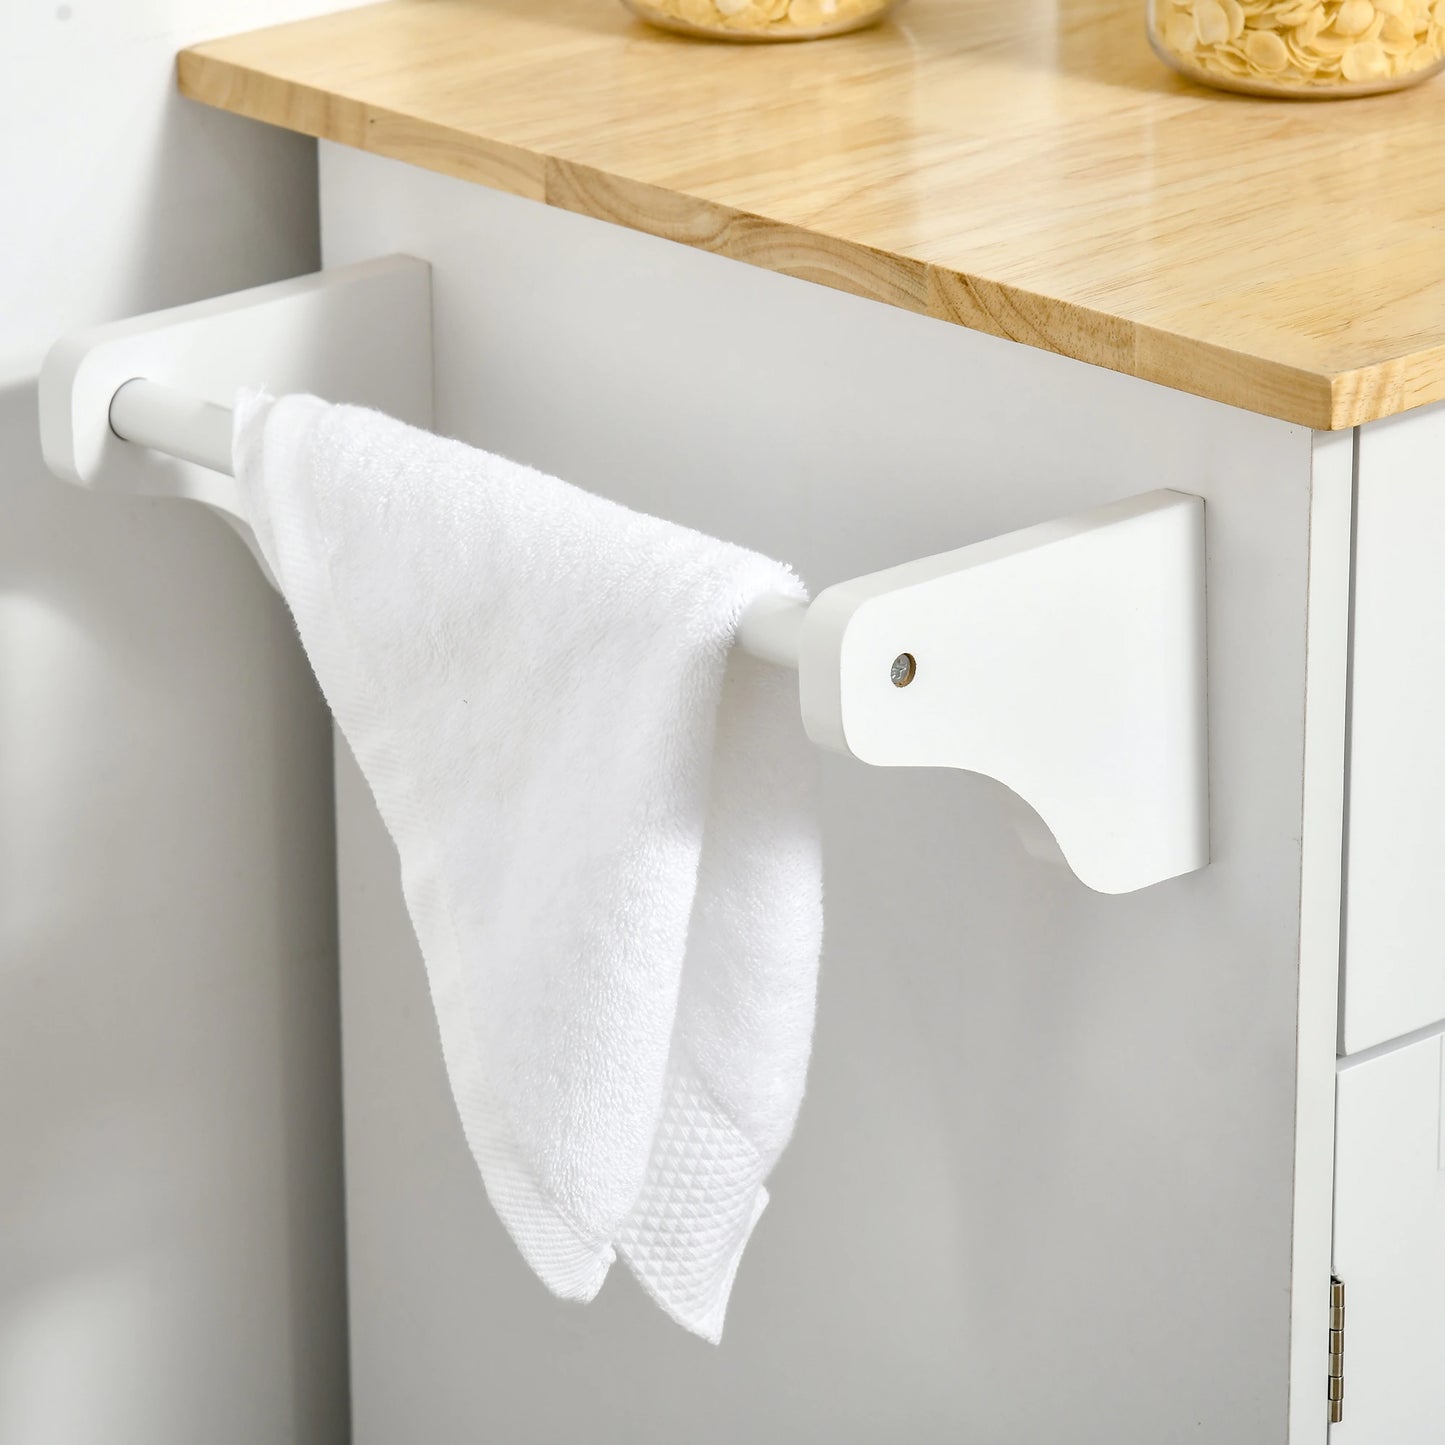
{"x":603,"y":820}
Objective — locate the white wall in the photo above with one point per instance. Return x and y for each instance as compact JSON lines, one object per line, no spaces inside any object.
{"x":170,"y":1230}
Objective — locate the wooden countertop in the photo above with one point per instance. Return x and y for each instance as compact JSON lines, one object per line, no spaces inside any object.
{"x":1022,"y":167}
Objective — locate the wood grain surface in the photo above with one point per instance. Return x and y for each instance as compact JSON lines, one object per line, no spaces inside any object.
{"x":1021,"y":167}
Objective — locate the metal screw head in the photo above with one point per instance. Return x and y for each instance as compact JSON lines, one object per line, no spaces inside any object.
{"x":903,"y":670}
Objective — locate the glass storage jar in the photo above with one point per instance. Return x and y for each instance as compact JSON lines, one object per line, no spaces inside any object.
{"x":1309,"y":48}
{"x":761,"y":19}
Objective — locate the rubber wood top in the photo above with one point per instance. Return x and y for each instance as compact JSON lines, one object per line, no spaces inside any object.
{"x":1022,"y":167}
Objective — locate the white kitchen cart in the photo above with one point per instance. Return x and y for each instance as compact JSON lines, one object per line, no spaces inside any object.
{"x":1065,"y":1166}
{"x":1072,"y":1166}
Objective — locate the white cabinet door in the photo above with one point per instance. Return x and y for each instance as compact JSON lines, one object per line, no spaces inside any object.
{"x":1390,"y":1245}
{"x":1394,"y":951}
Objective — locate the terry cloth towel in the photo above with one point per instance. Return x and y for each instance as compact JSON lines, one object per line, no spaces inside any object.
{"x":604,"y":822}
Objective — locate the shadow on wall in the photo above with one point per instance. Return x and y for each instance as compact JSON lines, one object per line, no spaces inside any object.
{"x":169,"y":1112}
{"x":135,"y":199}
{"x":170,"y":1197}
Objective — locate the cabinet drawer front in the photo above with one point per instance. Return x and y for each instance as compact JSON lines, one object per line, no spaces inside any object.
{"x":1395,"y":877}
{"x":1390,"y":1244}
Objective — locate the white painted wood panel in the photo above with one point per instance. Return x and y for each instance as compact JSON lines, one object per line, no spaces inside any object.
{"x":1034,"y":1110}
{"x":1395,"y":946}
{"x":1390,"y":1244}
{"x":1322,"y":831}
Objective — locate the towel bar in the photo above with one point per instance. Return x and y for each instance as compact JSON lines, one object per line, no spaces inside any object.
{"x":1065,"y":660}
{"x":184,"y":426}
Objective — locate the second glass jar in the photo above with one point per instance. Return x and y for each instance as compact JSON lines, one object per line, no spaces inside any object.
{"x":1316,"y":48}
{"x":761,"y":19}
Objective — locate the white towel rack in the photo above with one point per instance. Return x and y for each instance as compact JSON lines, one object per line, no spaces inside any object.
{"x":172,"y":421}
{"x":1066,"y":660}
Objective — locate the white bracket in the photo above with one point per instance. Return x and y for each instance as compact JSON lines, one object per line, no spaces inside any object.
{"x":359,"y":334}
{"x":1065,"y":660}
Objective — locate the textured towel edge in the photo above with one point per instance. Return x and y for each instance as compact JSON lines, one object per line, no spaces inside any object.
{"x":706,"y":1323}
{"x":701,"y":1198}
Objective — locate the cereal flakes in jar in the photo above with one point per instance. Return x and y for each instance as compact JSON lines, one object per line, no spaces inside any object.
{"x":1311,"y":48}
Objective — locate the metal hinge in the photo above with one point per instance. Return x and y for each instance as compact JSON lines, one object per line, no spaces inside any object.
{"x":1337,"y":1350}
